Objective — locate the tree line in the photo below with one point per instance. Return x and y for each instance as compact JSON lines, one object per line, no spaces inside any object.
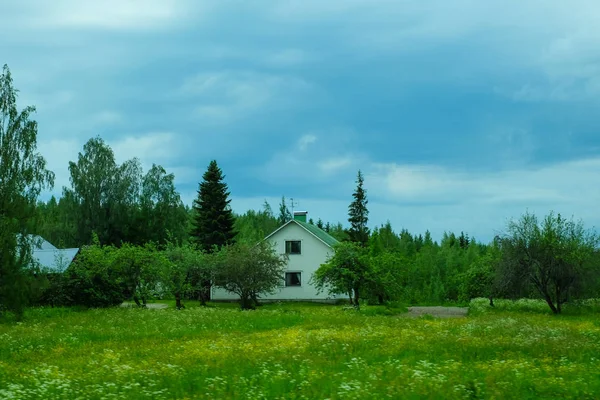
{"x":140,"y":241}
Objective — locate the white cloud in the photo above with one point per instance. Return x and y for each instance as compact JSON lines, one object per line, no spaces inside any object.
{"x":154,"y":147}
{"x":335,"y":164}
{"x":563,"y":185}
{"x":104,"y":15}
{"x":305,"y":141}
{"x":225,"y":96}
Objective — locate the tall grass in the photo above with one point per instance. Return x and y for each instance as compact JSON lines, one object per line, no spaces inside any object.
{"x":291,"y":351}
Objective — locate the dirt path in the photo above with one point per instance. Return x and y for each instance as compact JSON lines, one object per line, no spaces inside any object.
{"x":439,"y":312}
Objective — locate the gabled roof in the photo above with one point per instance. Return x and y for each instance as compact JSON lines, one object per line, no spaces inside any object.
{"x":312,"y":229}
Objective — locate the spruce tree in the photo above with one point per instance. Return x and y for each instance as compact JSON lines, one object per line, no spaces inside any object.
{"x":213,"y":224}
{"x":320,"y":224}
{"x":359,"y":214}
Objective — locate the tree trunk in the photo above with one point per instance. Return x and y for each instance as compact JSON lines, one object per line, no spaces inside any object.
{"x":350,"y":297}
{"x":558,"y":304}
{"x":380,"y":298}
{"x":178,"y":304}
{"x":254,"y":298}
{"x":137,"y":301}
{"x":246,"y":303}
{"x":492,"y":301}
{"x":550,"y":302}
{"x":356,"y":298}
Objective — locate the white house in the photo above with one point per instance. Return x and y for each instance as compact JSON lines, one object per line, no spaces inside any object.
{"x":307,"y":247}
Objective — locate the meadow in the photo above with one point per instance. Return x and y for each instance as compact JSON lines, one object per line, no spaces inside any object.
{"x":300,"y":351}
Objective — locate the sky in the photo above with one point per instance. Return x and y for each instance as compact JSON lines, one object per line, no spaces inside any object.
{"x":461,"y":115}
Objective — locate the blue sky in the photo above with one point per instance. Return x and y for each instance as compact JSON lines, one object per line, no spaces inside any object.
{"x":461,"y":114}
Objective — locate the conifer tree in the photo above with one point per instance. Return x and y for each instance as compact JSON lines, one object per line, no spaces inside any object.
{"x":359,"y":214}
{"x":320,"y":224}
{"x":213,"y":218}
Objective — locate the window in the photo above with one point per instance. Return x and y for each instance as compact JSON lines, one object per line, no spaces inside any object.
{"x":293,"y":279}
{"x":292,"y":247}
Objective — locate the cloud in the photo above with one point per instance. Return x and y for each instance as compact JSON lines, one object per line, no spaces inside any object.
{"x":335,"y":164}
{"x":231,"y":95}
{"x":559,"y":185}
{"x":106,"y":15}
{"x":305,"y":141}
{"x":316,"y":167}
{"x":153,"y":147}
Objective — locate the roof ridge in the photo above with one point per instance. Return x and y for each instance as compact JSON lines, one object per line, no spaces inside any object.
{"x":315,"y":230}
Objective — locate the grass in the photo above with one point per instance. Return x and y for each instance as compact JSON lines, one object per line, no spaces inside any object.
{"x":299,"y":351}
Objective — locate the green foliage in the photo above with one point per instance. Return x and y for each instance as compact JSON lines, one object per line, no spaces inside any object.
{"x":117,"y":202}
{"x":253,"y":226}
{"x":213,"y":220}
{"x":284,"y":213}
{"x":185,"y":271}
{"x":23,"y":175}
{"x":162,"y":213}
{"x":93,"y":280}
{"x":347,"y":271}
{"x":249,"y":271}
{"x":553,"y":256}
{"x":387,"y":277}
{"x":359,"y":214}
{"x":140,"y":269}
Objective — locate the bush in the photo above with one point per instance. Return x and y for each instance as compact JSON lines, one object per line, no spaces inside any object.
{"x":92,"y":280}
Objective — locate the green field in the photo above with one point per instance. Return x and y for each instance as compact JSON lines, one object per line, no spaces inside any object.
{"x":299,"y":351}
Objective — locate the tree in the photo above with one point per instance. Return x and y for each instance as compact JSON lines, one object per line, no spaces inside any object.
{"x":320,"y":224}
{"x":253,"y":226}
{"x":93,"y":280}
{"x":23,"y":175}
{"x":358,"y":214}
{"x":386,"y":279}
{"x":346,"y":271}
{"x":185,"y":268}
{"x":139,"y":267}
{"x":214,"y":220}
{"x":554,"y":256}
{"x":162,"y":212}
{"x":284,"y":213}
{"x":249,"y":271}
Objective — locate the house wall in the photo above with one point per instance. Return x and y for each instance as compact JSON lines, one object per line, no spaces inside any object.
{"x":313,"y":253}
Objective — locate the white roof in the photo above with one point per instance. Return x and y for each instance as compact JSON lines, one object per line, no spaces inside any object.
{"x":55,"y":260}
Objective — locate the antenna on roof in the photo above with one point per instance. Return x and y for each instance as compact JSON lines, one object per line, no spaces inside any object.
{"x":293,"y":204}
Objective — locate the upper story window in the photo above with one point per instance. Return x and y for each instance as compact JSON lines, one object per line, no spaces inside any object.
{"x":292,"y":247}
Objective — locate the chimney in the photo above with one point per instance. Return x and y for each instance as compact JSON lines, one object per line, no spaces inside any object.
{"x":300,"y":216}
